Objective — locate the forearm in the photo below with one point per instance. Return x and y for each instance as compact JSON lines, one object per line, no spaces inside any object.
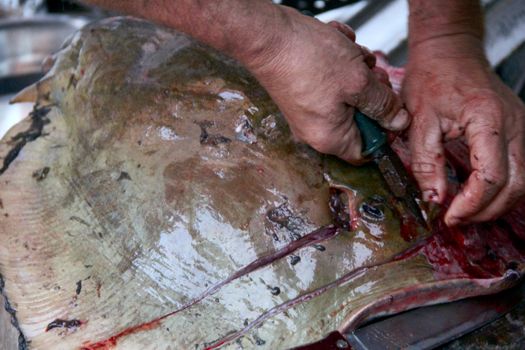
{"x":245,"y":30}
{"x":446,"y":21}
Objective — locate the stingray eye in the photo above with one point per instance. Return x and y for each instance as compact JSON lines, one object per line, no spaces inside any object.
{"x":372,"y":211}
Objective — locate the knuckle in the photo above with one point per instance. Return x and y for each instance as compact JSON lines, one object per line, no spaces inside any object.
{"x":361,"y":79}
{"x":487,"y":129}
{"x":488,"y":100}
{"x":492,"y":104}
{"x":423,"y":168}
{"x":488,"y":109}
{"x":493,"y":178}
{"x":386,"y":105}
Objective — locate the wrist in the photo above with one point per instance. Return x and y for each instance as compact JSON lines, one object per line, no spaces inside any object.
{"x":446,"y":27}
{"x":271,"y":36}
{"x":456,"y":46}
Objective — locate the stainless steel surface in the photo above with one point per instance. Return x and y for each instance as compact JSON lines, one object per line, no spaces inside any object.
{"x":383,"y":25}
{"x":19,"y":7}
{"x":432,"y":326}
{"x":25,"y":43}
{"x":401,"y":184}
{"x":11,"y":114}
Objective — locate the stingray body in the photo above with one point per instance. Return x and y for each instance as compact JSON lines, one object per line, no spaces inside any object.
{"x":156,"y":199}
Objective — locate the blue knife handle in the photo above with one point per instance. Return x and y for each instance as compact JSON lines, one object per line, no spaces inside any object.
{"x":372,"y":135}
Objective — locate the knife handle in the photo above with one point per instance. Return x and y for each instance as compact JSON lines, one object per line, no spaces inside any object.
{"x":372,"y":135}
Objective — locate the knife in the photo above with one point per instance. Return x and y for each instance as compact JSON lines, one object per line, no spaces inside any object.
{"x":427,"y":327}
{"x":400,"y":183}
{"x":432,"y":326}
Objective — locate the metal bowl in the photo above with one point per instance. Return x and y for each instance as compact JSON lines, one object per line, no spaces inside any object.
{"x":24,"y":44}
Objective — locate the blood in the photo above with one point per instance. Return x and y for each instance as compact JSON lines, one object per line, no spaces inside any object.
{"x":311,"y":238}
{"x":479,"y":251}
{"x":409,"y":229}
{"x":329,"y":343}
{"x":474,"y":251}
{"x":216,"y":345}
{"x":340,"y":214}
{"x":112,"y":341}
{"x":414,"y":250}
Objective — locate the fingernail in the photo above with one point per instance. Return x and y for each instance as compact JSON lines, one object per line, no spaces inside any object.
{"x":452,"y":221}
{"x":401,"y":120}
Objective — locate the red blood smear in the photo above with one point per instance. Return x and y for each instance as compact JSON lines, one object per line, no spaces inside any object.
{"x":106,"y":344}
{"x":328,"y":343}
{"x":215,"y":346}
{"x":474,"y":251}
{"x":516,"y":220}
{"x":408,"y":229}
{"x":309,"y":239}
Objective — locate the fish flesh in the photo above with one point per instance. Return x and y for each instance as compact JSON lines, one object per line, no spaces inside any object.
{"x":156,"y":199}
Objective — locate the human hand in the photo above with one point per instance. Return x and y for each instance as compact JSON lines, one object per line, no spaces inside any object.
{"x":451,"y":92}
{"x":317,"y":75}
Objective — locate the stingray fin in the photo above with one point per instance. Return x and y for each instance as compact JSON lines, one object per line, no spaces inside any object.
{"x":37,"y":92}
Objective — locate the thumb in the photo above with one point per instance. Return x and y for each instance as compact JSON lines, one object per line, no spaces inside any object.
{"x":379,"y":102}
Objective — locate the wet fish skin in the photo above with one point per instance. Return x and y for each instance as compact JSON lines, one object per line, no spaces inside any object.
{"x":187,"y":249}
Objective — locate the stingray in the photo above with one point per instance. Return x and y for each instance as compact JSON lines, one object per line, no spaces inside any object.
{"x":155,"y":198}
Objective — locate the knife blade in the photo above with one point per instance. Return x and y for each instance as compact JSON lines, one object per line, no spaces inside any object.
{"x":400,"y":183}
{"x":432,"y":326}
{"x":427,"y":327}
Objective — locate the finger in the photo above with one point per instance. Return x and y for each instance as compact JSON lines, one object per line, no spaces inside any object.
{"x":351,"y":150}
{"x":345,"y":139}
{"x":381,"y":75}
{"x":377,"y":100}
{"x":370,"y":58}
{"x":343,"y":28}
{"x":512,"y":193}
{"x":489,"y":161}
{"x":395,"y":74}
{"x":428,"y":160}
{"x":339,"y":137}
{"x":381,"y":59}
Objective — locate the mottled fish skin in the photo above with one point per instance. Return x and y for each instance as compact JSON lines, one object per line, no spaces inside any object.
{"x":164,"y":204}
